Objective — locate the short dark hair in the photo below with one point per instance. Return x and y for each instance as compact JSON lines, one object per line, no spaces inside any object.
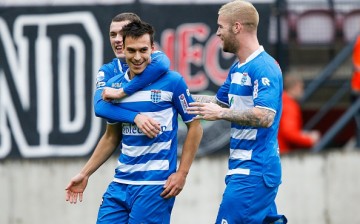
{"x":137,"y":29}
{"x":130,"y":16}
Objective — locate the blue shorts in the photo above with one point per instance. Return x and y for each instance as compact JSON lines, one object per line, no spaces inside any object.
{"x":134,"y":204}
{"x":247,"y":200}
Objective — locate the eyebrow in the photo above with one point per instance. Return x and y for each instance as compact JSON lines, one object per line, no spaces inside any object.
{"x":142,"y":48}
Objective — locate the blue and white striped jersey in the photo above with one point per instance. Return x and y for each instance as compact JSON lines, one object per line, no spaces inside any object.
{"x":255,"y":83}
{"x":109,"y":70}
{"x":144,"y":160}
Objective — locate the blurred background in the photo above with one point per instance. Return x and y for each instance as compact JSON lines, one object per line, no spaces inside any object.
{"x":50,"y":51}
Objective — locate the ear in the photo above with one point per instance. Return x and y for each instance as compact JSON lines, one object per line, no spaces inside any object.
{"x":152,"y":48}
{"x":236,"y":27}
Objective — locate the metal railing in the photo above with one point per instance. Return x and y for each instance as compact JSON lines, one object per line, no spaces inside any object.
{"x":336,"y":128}
{"x":328,"y":71}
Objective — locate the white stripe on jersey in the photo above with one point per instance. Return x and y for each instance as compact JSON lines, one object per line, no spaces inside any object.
{"x":241,"y":102}
{"x":240,"y":154}
{"x":238,"y":171}
{"x":247,"y":134}
{"x":143,"y":96}
{"x":239,"y":78}
{"x":134,"y":182}
{"x":164,"y":117}
{"x":135,"y":151}
{"x":150,"y":165}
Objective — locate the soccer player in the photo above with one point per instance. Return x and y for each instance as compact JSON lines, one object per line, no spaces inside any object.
{"x":146,"y":179}
{"x":159,"y":65}
{"x":250,"y":99}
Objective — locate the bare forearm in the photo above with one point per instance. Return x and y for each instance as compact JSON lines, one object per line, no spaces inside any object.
{"x":255,"y":117}
{"x":104,"y":149}
{"x":208,"y":99}
{"x":204,"y":98}
{"x":191,"y":144}
{"x":101,"y":153}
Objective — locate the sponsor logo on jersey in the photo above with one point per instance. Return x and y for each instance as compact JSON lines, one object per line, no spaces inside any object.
{"x":231,"y":101}
{"x":155,"y":95}
{"x":100,"y":76}
{"x":265,"y":81}
{"x":131,"y":129}
{"x":256,"y":89}
{"x":183,"y":102}
{"x":223,"y":221}
{"x":100,"y":84}
{"x":116,"y":85}
{"x":99,"y":79}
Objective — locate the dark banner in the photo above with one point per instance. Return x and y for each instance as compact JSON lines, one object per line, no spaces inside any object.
{"x":49,"y":57}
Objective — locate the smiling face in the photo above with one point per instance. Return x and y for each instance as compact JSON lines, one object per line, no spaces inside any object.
{"x":138,"y":53}
{"x":226,"y":35}
{"x":116,"y":39}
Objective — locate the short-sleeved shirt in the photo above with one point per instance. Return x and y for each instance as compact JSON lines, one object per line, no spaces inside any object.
{"x":255,"y":83}
{"x":151,"y":161}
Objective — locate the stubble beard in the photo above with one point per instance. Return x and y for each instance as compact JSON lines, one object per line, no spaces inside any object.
{"x":230,"y":45}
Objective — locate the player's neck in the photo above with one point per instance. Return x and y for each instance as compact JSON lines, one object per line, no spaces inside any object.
{"x":131,"y":75}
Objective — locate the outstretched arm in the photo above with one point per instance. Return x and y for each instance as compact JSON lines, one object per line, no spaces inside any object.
{"x":255,"y":117}
{"x":208,"y":99}
{"x":106,"y":146}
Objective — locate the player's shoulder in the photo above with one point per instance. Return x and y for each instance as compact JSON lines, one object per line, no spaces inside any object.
{"x":105,"y":72}
{"x":116,"y":81}
{"x":173,"y":75}
{"x":156,"y":53}
{"x":110,"y":66}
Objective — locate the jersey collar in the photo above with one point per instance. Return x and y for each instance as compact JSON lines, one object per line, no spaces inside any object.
{"x":252,"y":56}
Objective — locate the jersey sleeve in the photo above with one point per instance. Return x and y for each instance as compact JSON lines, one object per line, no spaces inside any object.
{"x":222,"y":93}
{"x":267,"y":89}
{"x":106,"y":72}
{"x":112,"y":112}
{"x":159,"y":65}
{"x":181,"y":99}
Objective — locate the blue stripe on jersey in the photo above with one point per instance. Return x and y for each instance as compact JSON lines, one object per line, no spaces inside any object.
{"x":159,"y":154}
{"x":255,"y":83}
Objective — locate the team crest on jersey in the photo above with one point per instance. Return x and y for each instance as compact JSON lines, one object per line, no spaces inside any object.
{"x":223,"y":221}
{"x":243,"y":79}
{"x":256,"y":89}
{"x":183,"y":102}
{"x":155,"y":95}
